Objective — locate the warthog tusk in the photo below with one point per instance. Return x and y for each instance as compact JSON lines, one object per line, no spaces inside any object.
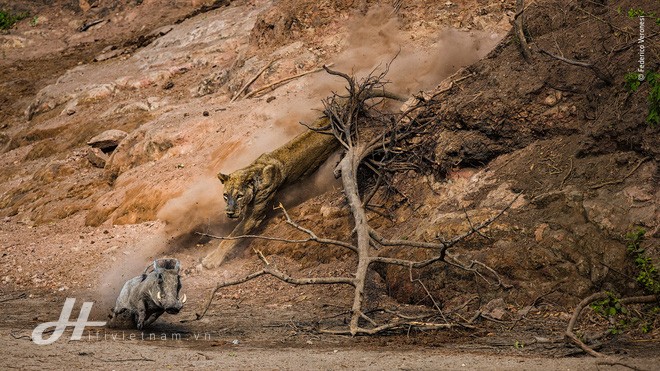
{"x":184,"y":299}
{"x":158,"y":295}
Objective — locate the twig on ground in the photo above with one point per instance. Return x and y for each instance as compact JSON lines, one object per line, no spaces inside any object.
{"x":14,"y":297}
{"x":451,"y":84}
{"x":603,"y":21}
{"x":568,"y":174}
{"x":87,"y":25}
{"x":532,"y":305}
{"x":619,"y":181}
{"x":604,"y":76}
{"x":142,"y":359}
{"x":570,"y":335}
{"x":20,"y":336}
{"x":519,"y":29}
{"x":282,"y":81}
{"x":393,"y":326}
{"x":238,"y":94}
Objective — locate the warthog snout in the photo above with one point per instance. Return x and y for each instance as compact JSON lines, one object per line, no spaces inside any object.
{"x":172,"y":308}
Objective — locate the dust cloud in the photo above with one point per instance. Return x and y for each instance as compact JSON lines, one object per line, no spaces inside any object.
{"x":129,"y":265}
{"x":376,"y":40}
{"x":201,"y":204}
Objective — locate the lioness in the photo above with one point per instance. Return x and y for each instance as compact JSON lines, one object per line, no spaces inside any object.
{"x":249,"y":192}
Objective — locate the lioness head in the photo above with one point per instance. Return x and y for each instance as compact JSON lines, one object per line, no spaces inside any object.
{"x":239,"y":192}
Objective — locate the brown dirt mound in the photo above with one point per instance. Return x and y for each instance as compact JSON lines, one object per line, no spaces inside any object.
{"x":577,"y":149}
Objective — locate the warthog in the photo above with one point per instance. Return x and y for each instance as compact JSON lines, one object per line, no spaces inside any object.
{"x":149,"y":295}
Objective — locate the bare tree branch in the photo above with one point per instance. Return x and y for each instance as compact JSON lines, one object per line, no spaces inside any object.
{"x":604,"y":76}
{"x":570,"y":335}
{"x":271,"y":270}
{"x":312,"y":236}
{"x":519,"y":29}
{"x":253,"y":79}
{"x":282,"y":81}
{"x":393,"y":326}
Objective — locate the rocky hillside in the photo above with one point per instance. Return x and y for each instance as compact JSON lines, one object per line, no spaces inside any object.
{"x":189,"y":83}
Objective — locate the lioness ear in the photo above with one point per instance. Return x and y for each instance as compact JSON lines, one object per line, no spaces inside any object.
{"x":223,"y":177}
{"x":270,"y":172}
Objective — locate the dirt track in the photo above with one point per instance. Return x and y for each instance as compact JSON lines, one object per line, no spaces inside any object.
{"x":262,"y":338}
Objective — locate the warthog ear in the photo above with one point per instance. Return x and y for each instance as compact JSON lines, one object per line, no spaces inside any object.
{"x":177,"y":266}
{"x":223,"y":177}
{"x":155,"y":265}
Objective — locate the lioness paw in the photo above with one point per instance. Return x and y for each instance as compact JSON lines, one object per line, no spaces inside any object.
{"x":214,"y":259}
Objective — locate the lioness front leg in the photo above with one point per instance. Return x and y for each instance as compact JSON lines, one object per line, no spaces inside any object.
{"x":266,"y":183}
{"x":226,"y":247}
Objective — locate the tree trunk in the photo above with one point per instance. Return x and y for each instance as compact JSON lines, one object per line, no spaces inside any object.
{"x":348,"y":167}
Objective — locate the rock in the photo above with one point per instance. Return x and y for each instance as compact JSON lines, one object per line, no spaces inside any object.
{"x":70,"y":108}
{"x":330,"y":211}
{"x":13,"y":42}
{"x":84,"y":6}
{"x":552,"y":99}
{"x":96,"y":157}
{"x":98,"y":92}
{"x":108,"y":55}
{"x":538,"y":233}
{"x":495,"y":308}
{"x":140,"y":147}
{"x":638,"y":194}
{"x":108,"y":139}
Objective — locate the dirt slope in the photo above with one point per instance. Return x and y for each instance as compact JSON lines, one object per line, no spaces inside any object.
{"x":576,"y":149}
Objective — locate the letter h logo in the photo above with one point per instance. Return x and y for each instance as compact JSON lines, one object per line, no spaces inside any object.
{"x":63,"y":323}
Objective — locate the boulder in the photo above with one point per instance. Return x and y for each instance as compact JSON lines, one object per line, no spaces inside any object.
{"x":107,"y":140}
{"x":96,"y":157}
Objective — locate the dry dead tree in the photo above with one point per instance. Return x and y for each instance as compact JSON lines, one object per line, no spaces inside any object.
{"x":384,"y":149}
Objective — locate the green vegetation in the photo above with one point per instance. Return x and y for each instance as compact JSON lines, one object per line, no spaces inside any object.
{"x":633,"y":81}
{"x":653,"y":117}
{"x":620,"y":318}
{"x":609,"y":307}
{"x":8,"y":19}
{"x":636,"y":13}
{"x":648,"y":276}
